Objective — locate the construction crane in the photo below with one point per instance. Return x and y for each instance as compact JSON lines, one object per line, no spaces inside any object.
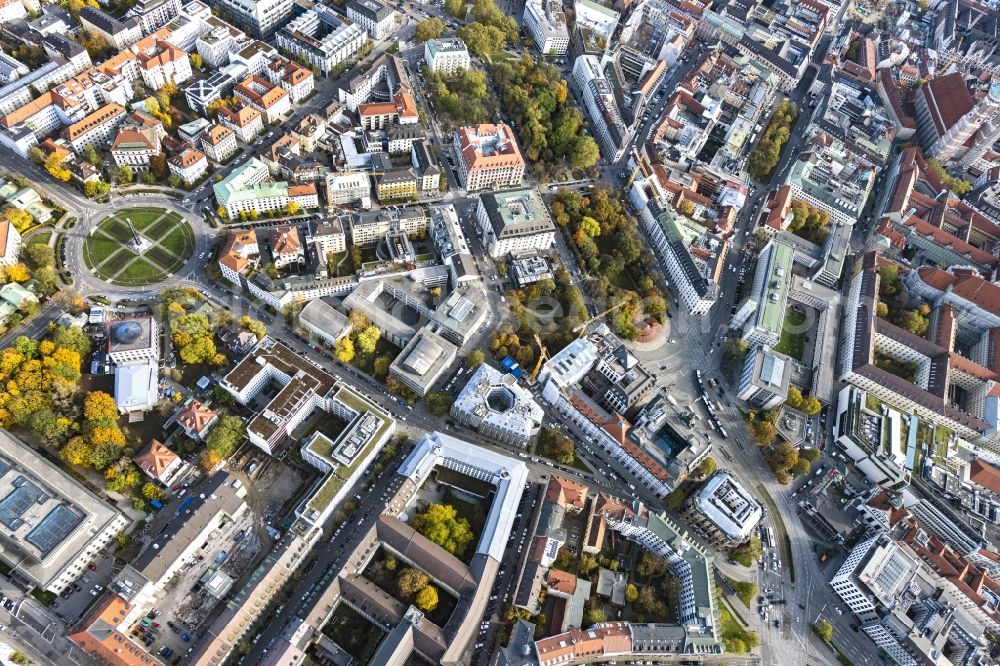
{"x":543,"y":355}
{"x":580,"y":328}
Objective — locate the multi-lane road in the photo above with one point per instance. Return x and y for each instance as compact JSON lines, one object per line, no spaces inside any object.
{"x":807,"y":598}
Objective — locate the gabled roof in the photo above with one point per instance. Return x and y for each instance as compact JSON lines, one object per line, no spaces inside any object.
{"x":985,"y":475}
{"x":566,"y":493}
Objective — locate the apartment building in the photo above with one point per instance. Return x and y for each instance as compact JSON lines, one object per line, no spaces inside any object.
{"x":286,"y":247}
{"x":514,"y":222}
{"x":119,"y":34}
{"x":377,"y":19}
{"x":239,"y":251}
{"x":261,"y":18}
{"x":297,"y":81}
{"x":385,"y":78}
{"x":189,"y":165}
{"x":58,"y":46}
{"x":221,"y":40}
{"x":401,"y":110}
{"x":12,"y":10}
{"x":488,"y":157}
{"x":446,"y":55}
{"x":97,"y":129}
{"x":219,"y":143}
{"x":161,"y":63}
{"x":303,"y":388}
{"x":154,"y":14}
{"x":546,"y":23}
{"x":246,"y":122}
{"x":322,"y":38}
{"x":271,"y":100}
{"x":10,"y":244}
{"x":328,"y":237}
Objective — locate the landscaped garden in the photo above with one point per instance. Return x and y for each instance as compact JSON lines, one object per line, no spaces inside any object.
{"x":410,"y":586}
{"x":168,"y":242}
{"x":793,"y":336}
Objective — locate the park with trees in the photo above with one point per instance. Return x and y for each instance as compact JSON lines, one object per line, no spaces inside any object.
{"x":766,"y":154}
{"x":608,"y":243}
{"x":550,"y":128}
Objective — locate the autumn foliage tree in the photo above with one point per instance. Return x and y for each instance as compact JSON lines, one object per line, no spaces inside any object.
{"x":441,"y":524}
{"x":411,"y":581}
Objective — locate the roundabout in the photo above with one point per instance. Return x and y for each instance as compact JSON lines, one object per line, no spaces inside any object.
{"x":136,"y":247}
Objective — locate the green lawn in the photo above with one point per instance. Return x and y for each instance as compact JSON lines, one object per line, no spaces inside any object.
{"x":142,"y":217}
{"x":106,"y":255}
{"x":97,"y":249}
{"x":139,"y":271}
{"x":793,"y":340}
{"x":179,"y":241}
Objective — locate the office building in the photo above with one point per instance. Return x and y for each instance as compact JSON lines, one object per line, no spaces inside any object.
{"x":377,"y":19}
{"x":488,"y":157}
{"x":765,"y":378}
{"x":446,"y":55}
{"x":608,"y":125}
{"x":497,"y":406}
{"x":52,"y":526}
{"x":723,"y":511}
{"x":769,"y":295}
{"x":424,"y":359}
{"x":324,"y":321}
{"x":545,"y":21}
{"x":514,"y":222}
{"x":97,"y":129}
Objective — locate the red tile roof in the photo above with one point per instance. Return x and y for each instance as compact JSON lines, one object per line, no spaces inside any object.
{"x":155,"y":459}
{"x":985,"y":475}
{"x":948,"y":99}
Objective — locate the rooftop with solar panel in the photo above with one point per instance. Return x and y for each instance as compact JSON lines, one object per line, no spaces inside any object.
{"x":48,"y":520}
